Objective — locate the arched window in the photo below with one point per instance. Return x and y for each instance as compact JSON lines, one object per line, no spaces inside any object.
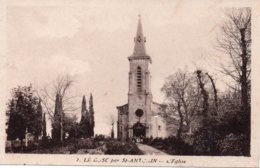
{"x":139,"y":79}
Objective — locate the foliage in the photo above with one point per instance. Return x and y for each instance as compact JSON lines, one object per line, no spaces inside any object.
{"x":99,"y":138}
{"x":172,"y":145}
{"x":233,"y":145}
{"x":22,"y":113}
{"x":70,"y":127}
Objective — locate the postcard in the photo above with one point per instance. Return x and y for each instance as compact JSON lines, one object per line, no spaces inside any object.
{"x":130,"y":83}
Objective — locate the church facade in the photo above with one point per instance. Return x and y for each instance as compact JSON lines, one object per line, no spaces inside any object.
{"x":140,"y":116}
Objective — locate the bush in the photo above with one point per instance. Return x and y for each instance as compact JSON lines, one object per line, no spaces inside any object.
{"x":122,"y":148}
{"x":86,"y":144}
{"x":233,"y":145}
{"x":99,"y":138}
{"x":205,"y":142}
{"x":172,"y":145}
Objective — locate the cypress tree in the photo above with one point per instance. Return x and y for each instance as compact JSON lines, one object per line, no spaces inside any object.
{"x":112,"y":131}
{"x":44,"y":127}
{"x":20,"y":124}
{"x":92,"y":118}
{"x":38,"y":123}
{"x":56,"y":123}
{"x":85,"y":120}
{"x":11,"y":131}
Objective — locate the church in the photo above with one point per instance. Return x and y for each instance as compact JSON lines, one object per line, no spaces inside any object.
{"x":140,"y":117}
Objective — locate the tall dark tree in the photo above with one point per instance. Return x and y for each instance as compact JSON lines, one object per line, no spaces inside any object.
{"x":38,"y":126}
{"x":56,"y":122}
{"x":85,"y":129}
{"x":92,"y":118}
{"x":112,"y":131}
{"x":44,"y":134}
{"x":12,"y":115}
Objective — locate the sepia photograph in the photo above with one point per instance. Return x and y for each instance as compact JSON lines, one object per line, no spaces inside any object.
{"x":129,"y":83}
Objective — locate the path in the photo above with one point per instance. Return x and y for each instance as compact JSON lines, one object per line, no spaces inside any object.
{"x":148,"y":150}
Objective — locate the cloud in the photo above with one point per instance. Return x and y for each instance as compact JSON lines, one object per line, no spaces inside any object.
{"x":46,"y":68}
{"x":39,"y":22}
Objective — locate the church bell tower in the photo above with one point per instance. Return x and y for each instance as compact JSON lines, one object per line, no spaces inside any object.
{"x":139,"y":94}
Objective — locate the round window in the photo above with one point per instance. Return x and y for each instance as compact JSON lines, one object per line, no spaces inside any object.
{"x":139,"y":113}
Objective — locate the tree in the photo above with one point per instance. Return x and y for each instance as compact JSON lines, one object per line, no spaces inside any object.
{"x":38,"y":128}
{"x":235,"y":41}
{"x":56,"y":123}
{"x":22,"y":113}
{"x":205,"y":96}
{"x":92,"y":118}
{"x":71,"y":127}
{"x":182,"y":94}
{"x":57,"y":107}
{"x":112,"y":122}
{"x":85,"y":120}
{"x":44,"y":134}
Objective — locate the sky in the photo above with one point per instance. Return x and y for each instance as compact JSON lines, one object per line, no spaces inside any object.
{"x":91,"y":40}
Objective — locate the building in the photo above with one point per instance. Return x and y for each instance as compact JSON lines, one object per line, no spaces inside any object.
{"x":140,"y":116}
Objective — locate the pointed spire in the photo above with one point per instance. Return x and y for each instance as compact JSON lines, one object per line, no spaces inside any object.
{"x":139,"y":40}
{"x":84,"y":100}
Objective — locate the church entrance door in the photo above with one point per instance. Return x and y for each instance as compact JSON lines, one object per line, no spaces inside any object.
{"x":139,"y":130}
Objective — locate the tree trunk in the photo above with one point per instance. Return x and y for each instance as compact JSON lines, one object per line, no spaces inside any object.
{"x":244,"y":91}
{"x":181,"y":121}
{"x":189,"y":127}
{"x":205,"y":100}
{"x":244,"y":82}
{"x":215,"y":94}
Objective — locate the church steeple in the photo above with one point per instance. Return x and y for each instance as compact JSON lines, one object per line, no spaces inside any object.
{"x":139,"y":40}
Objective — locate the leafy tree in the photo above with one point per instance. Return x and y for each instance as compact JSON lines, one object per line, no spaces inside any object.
{"x":22,"y":113}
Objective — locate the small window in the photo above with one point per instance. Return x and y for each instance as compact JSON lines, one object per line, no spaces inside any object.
{"x":159,"y":128}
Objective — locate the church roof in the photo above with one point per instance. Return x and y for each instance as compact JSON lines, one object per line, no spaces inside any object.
{"x":123,"y":109}
{"x":158,"y":104}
